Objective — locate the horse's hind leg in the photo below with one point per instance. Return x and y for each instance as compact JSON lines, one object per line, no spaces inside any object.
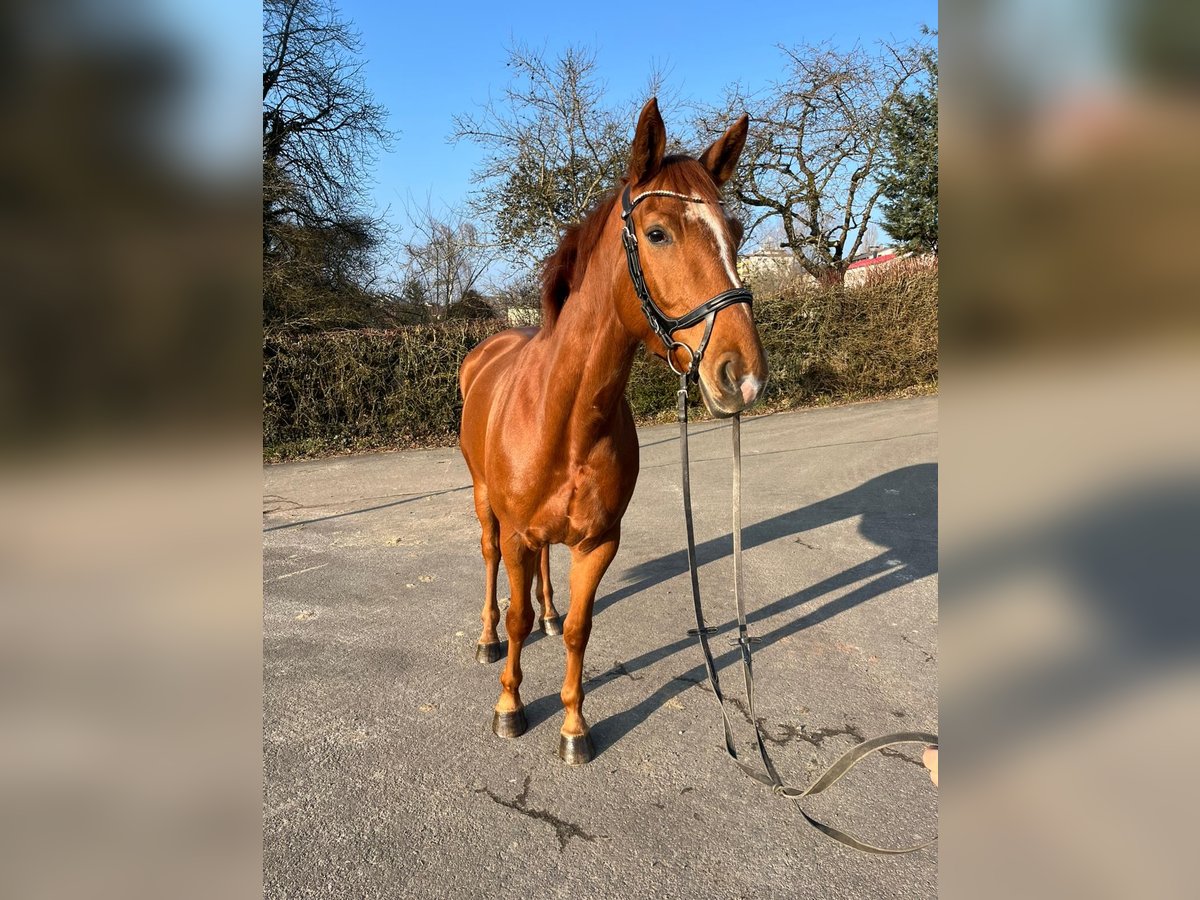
{"x":521,"y":562}
{"x":490,"y":647}
{"x":550,"y":621}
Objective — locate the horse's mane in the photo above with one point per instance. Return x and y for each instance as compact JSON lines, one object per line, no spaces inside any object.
{"x":564,"y":269}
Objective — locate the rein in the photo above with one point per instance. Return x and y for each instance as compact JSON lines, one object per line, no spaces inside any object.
{"x":770,"y":778}
{"x":665,"y":327}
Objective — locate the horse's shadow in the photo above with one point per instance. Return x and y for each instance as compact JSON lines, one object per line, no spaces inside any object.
{"x":898,"y":513}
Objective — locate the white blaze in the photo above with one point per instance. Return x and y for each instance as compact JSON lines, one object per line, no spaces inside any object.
{"x":709,"y":216}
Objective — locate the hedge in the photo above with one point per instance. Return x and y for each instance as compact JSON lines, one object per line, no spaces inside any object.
{"x":360,"y":390}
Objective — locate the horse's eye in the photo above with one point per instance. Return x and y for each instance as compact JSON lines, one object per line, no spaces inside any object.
{"x":656,"y":236}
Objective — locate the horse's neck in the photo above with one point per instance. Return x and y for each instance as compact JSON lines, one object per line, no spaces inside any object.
{"x":591,"y":354}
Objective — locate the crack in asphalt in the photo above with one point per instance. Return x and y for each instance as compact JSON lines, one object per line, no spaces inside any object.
{"x":563,"y":830}
{"x":896,"y":754}
{"x":815,"y":736}
{"x":929,"y":657}
{"x":790,"y":733}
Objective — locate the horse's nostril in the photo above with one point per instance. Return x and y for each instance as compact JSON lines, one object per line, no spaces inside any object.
{"x":729,"y":379}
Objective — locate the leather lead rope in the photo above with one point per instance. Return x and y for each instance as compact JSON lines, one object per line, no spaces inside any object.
{"x":770,"y":778}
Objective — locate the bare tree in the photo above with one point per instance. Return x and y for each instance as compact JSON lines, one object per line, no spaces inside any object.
{"x":321,"y":126}
{"x":554,"y":145}
{"x":871,"y":237}
{"x":517,"y":296}
{"x":815,"y":149}
{"x":320,"y":278}
{"x":321,"y":130}
{"x":446,"y":256}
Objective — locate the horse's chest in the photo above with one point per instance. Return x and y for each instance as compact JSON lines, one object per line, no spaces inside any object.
{"x":582,"y":499}
{"x":599,"y":495}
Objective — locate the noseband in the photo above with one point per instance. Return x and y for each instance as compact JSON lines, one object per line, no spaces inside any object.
{"x":660,"y":323}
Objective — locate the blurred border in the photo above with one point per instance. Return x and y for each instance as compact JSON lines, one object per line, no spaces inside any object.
{"x":130,"y":562}
{"x":129,"y":383}
{"x":1070,"y":438}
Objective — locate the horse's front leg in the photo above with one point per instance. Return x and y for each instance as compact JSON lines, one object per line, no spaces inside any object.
{"x":589,"y":562}
{"x":521,"y":562}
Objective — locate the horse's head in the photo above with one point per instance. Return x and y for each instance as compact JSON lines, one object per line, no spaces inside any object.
{"x":685,"y":247}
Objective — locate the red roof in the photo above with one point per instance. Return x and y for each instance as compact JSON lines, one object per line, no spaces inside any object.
{"x":872,"y":261}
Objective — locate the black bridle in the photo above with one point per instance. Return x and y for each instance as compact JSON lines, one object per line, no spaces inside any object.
{"x":660,"y":323}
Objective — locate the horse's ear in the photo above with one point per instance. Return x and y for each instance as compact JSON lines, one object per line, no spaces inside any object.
{"x":649,"y":144}
{"x":722,"y":157}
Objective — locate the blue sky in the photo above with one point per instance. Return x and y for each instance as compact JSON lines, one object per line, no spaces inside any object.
{"x":428,"y":61}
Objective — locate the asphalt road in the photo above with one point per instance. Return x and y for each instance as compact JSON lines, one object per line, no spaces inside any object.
{"x":383,"y":778}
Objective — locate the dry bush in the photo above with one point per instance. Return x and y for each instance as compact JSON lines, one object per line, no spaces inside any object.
{"x":778,"y":283}
{"x":355,"y":390}
{"x":359,"y":390}
{"x":882,"y":336}
{"x":834,"y":344}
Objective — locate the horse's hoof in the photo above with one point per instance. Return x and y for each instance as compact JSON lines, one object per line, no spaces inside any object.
{"x":509,"y":724}
{"x":490,"y":653}
{"x":552,"y":625}
{"x":575,"y":749}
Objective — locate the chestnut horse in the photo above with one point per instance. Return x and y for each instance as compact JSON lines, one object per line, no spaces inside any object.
{"x":546,"y":430}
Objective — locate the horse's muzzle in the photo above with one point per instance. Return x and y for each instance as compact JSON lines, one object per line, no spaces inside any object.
{"x":732,"y":392}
